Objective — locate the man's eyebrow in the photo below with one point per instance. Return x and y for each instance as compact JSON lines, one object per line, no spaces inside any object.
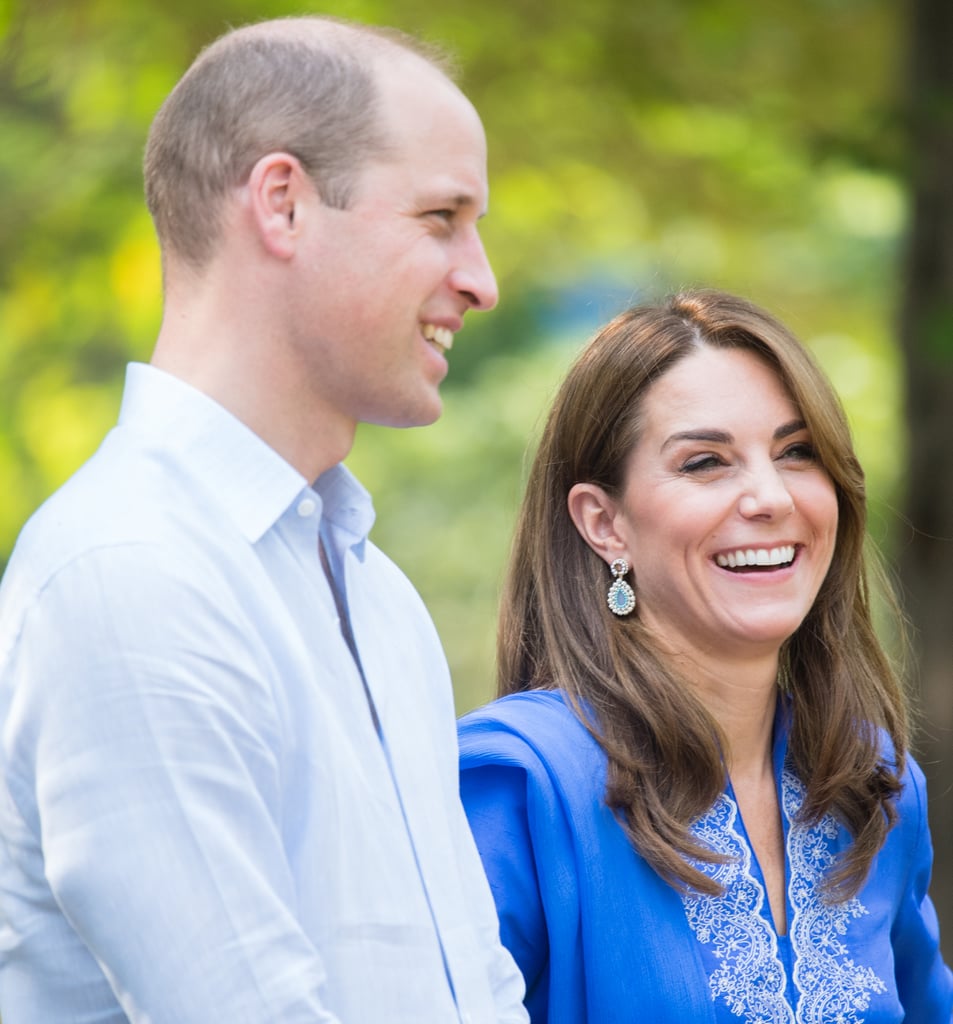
{"x":455,"y":201}
{"x":723,"y":437}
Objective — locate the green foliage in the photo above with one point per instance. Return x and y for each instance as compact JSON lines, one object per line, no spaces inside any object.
{"x":633,"y":148}
{"x":937,"y":340}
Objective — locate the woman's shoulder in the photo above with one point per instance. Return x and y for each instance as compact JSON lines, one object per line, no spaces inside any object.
{"x":533,"y":715}
{"x":535,"y":729}
{"x":910,"y":827}
{"x":912,"y":797}
{"x":912,"y":800}
{"x":515,"y":710}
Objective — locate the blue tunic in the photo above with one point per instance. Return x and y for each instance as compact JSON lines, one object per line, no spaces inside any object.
{"x":600,"y":937}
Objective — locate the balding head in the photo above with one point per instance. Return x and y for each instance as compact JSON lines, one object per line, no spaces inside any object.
{"x":307,"y":86}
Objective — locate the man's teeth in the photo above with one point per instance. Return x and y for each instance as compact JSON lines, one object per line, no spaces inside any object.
{"x":756,"y":556}
{"x":440,"y":336}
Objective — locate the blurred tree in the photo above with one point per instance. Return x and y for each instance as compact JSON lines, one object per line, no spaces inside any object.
{"x":631,"y":147}
{"x":926,"y":331}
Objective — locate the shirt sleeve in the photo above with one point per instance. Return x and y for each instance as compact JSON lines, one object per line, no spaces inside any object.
{"x":924,"y":982}
{"x":147,"y":754}
{"x":494,"y":796}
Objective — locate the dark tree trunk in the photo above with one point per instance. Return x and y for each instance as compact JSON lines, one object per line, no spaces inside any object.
{"x":926,"y":328}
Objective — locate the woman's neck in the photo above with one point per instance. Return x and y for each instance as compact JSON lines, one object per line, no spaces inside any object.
{"x":742,"y":698}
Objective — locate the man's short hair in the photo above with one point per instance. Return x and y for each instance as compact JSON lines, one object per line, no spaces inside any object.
{"x":305,"y":86}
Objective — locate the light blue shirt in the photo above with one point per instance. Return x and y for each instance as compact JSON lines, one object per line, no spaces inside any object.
{"x":202,"y":819}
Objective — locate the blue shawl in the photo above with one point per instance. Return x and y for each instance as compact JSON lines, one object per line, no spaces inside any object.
{"x":618,"y":945}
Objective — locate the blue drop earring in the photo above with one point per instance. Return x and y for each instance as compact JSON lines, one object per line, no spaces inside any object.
{"x":621,"y":597}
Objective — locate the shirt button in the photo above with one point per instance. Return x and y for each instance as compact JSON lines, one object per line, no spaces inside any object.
{"x":306,"y":508}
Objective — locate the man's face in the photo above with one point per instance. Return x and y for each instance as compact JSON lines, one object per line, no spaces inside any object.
{"x":382,"y":286}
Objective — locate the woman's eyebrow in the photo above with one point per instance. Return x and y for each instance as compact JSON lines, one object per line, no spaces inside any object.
{"x":699,"y":434}
{"x":723,"y":437}
{"x":788,"y":429}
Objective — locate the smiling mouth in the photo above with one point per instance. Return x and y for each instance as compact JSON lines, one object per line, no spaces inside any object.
{"x":756,"y":559}
{"x":440,"y":337}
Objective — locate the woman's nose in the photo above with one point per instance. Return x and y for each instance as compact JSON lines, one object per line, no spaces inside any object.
{"x":766,"y":495}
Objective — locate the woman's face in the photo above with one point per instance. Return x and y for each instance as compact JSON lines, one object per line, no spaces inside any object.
{"x":728,"y":518}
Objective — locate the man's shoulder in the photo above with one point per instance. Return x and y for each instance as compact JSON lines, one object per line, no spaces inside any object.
{"x":122,"y":496}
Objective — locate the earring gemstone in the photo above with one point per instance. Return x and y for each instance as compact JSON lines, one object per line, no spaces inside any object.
{"x":621,"y":597}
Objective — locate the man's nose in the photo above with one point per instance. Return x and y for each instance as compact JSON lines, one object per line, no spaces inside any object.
{"x":473,"y":276}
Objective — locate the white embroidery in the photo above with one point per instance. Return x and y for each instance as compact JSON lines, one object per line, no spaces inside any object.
{"x":750,"y":978}
{"x":831,"y":985}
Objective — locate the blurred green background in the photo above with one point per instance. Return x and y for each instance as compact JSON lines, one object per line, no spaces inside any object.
{"x":634,"y":148}
{"x":790,"y":150}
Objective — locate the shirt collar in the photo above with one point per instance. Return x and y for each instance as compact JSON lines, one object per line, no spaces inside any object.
{"x":253,"y":483}
{"x":346,"y":504}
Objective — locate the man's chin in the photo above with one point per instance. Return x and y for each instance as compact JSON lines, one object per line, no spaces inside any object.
{"x":422,"y":415}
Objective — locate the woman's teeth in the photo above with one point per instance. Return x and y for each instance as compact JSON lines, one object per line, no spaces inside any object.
{"x":442,"y":337}
{"x":742,"y":559}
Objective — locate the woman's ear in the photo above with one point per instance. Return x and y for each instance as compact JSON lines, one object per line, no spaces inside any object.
{"x":275,"y":191}
{"x":594,"y":514}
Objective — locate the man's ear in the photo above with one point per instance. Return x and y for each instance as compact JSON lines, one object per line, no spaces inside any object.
{"x":275,"y":190}
{"x":594,"y":514}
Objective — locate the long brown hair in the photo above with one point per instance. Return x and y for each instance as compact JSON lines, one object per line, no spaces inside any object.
{"x":665,"y":757}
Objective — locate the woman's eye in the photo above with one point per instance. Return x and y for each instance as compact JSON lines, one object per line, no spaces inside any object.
{"x":802,"y":451}
{"x":700,"y":463}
